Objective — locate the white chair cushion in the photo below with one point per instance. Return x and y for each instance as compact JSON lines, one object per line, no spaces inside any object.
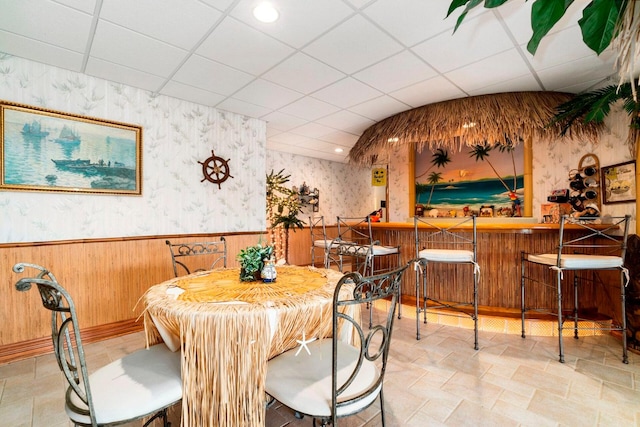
{"x":384,"y":250}
{"x":446,"y":255}
{"x":578,"y":261}
{"x":303,"y":382}
{"x":322,"y":243}
{"x":140,"y":383}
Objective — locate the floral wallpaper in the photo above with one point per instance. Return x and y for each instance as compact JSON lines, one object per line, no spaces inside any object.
{"x":345,"y":190}
{"x":176,"y":135}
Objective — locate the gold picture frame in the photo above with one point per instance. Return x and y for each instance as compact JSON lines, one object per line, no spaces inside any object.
{"x":619,"y":183}
{"x":53,"y":151}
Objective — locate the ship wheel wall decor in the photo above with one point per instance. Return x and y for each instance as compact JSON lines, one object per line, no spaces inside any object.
{"x":215,"y":169}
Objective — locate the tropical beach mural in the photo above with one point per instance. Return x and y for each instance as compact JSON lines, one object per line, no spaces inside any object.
{"x":483,"y":180}
{"x":48,"y":151}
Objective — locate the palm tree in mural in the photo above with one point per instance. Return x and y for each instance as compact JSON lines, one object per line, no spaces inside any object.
{"x":481,"y":153}
{"x":439,"y":159}
{"x":434,"y":178}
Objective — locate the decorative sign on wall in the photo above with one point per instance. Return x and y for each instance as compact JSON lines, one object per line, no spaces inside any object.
{"x":46,"y":150}
{"x":379,"y":177}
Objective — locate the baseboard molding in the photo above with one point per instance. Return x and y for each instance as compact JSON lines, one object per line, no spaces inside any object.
{"x":39,"y":346}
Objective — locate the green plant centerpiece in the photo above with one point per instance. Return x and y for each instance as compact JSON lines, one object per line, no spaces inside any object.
{"x":252,"y":260}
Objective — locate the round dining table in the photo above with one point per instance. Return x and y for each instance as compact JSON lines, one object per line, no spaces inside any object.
{"x":227,"y":330}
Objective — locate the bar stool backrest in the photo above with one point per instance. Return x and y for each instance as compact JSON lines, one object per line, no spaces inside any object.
{"x":187,"y":258}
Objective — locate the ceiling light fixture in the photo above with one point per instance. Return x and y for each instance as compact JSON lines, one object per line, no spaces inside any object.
{"x":338,"y":150}
{"x":264,"y":12}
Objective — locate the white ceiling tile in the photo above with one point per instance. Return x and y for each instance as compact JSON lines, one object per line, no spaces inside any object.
{"x":302,"y":73}
{"x":122,"y":46}
{"x":289,"y":138}
{"x":427,"y":92}
{"x":242,"y":47}
{"x":86,"y":6}
{"x":218,"y":4}
{"x":346,"y":92}
{"x":401,"y":70}
{"x":44,"y":21}
{"x":271,"y":131}
{"x":346,"y":120}
{"x":312,"y":130}
{"x":39,"y":51}
{"x":118,"y":73}
{"x":180,"y":26}
{"x":212,"y":76}
{"x":267,"y":94}
{"x":503,"y":66}
{"x":564,"y":46}
{"x":241,"y":107}
{"x":520,"y":84}
{"x":309,"y":108}
{"x":190,"y":93}
{"x":353,"y":45}
{"x":570,"y":73}
{"x":475,"y":39}
{"x":282,"y":121}
{"x":411,"y":21}
{"x":344,"y":139}
{"x":300,"y":21}
{"x":517,"y":17}
{"x":380,"y":108}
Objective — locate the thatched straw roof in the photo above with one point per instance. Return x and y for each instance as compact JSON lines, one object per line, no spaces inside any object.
{"x":495,"y":119}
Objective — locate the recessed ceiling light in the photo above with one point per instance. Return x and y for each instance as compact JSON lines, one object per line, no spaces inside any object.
{"x":264,"y":12}
{"x":338,"y":150}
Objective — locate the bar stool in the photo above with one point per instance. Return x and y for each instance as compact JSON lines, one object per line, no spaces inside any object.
{"x":319,"y":240}
{"x":591,"y":250}
{"x":356,"y":244}
{"x":452,"y":243}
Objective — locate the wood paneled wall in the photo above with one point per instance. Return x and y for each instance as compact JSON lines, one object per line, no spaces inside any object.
{"x":499,"y":253}
{"x":106,"y":279}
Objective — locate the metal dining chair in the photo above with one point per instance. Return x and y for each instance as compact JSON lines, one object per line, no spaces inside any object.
{"x":579,"y":255}
{"x":187,"y":258}
{"x":141,"y":384}
{"x":334,"y":378}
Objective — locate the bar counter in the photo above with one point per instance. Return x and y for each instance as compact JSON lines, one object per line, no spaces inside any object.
{"x":499,"y":247}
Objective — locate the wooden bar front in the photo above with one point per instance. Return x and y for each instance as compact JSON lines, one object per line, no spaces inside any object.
{"x":499,"y":249}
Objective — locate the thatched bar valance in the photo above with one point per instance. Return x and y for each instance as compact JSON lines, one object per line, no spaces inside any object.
{"x":494,"y":119}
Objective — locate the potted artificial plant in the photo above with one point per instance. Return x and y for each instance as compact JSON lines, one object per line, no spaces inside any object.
{"x":252,"y":260}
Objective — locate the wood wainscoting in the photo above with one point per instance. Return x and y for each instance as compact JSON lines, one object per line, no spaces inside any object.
{"x":105,"y":277}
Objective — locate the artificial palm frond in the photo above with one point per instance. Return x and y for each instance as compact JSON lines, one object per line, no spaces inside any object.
{"x":594,"y":106}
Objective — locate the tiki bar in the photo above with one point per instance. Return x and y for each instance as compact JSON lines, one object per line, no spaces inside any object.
{"x":246,"y":213}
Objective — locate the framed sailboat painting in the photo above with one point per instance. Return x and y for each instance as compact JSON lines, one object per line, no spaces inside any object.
{"x":46,"y":150}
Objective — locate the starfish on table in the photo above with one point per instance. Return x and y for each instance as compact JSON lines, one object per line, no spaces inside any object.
{"x":303,"y":344}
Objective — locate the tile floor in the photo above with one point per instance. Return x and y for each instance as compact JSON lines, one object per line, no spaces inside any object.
{"x":437,"y":381}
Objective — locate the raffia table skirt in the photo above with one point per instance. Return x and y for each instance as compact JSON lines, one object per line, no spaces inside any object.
{"x":227,"y":330}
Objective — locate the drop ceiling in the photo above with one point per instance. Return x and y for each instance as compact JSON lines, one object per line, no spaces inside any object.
{"x":321,"y":74}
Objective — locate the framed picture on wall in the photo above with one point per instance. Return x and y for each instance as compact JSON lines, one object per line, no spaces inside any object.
{"x":619,"y":183}
{"x":46,"y":150}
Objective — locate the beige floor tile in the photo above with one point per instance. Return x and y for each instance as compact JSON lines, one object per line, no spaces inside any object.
{"x":439,"y":380}
{"x":471,"y":414}
{"x":569,"y":413}
{"x":520,"y":415}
